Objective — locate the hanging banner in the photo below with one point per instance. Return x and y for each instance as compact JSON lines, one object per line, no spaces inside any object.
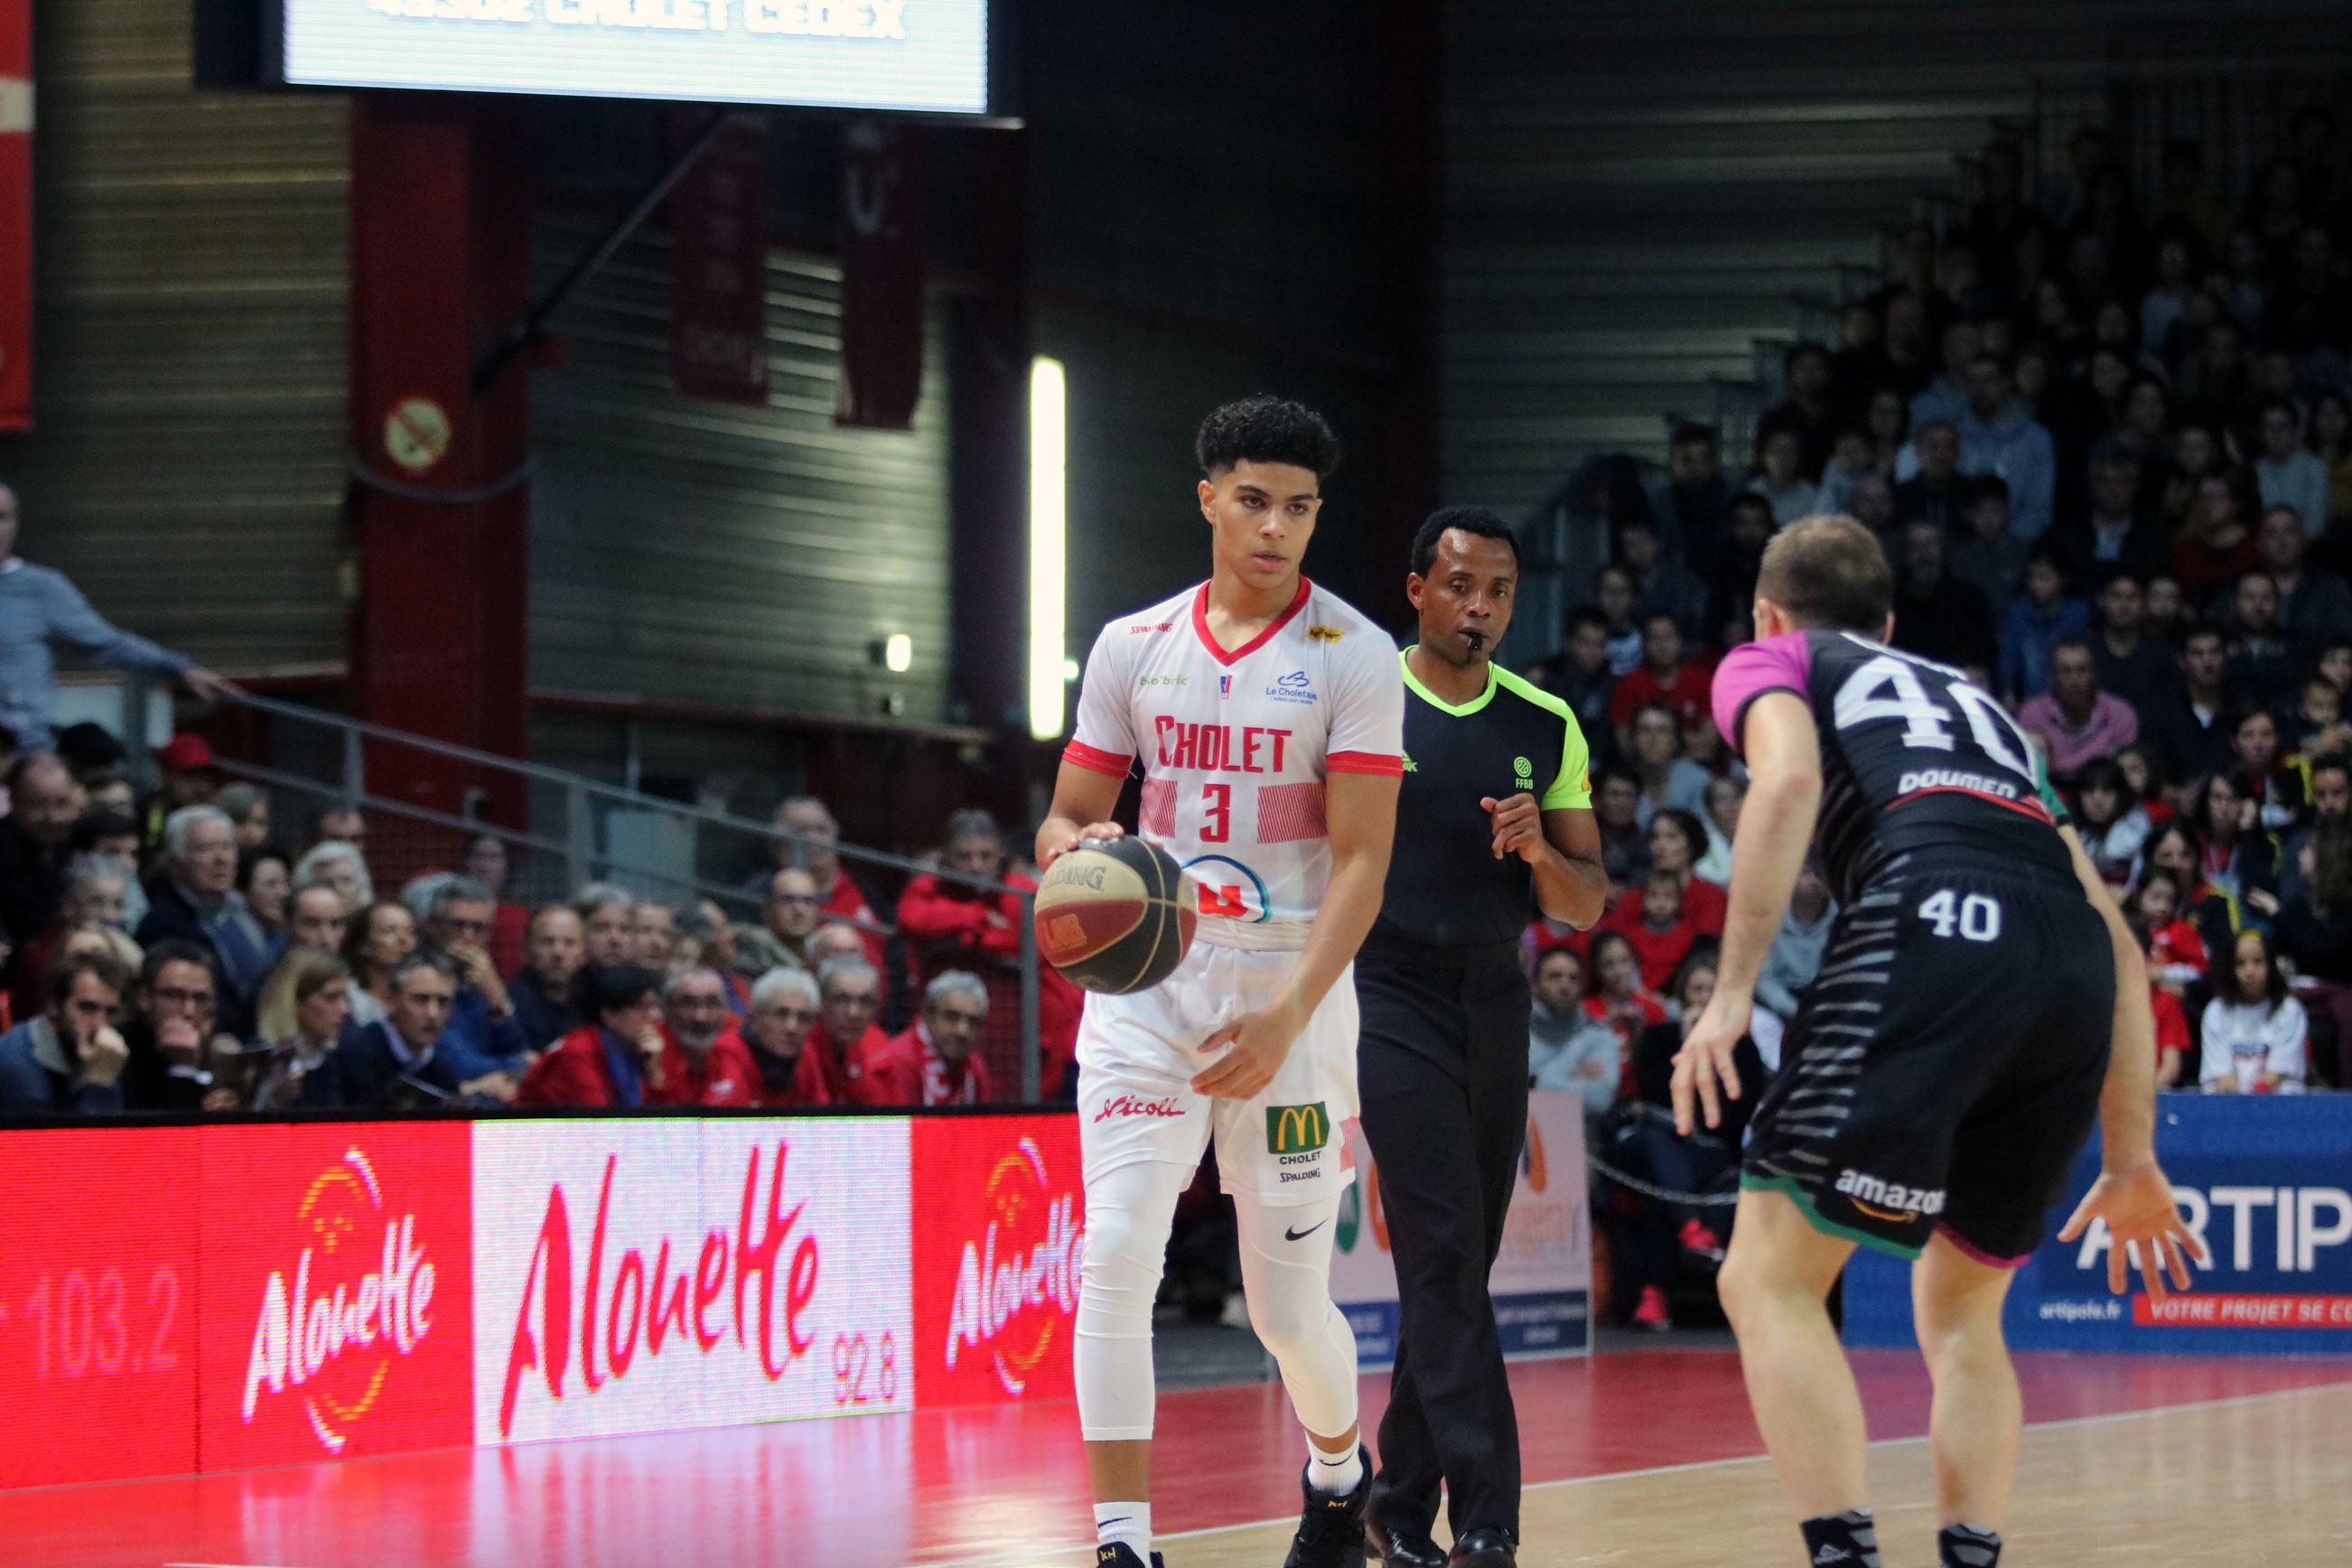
{"x":15,"y":214}
{"x":1542,"y":1280}
{"x":718,"y":265}
{"x":881,"y":277}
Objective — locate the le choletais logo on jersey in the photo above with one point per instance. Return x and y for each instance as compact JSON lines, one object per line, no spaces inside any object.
{"x":1293,"y":687}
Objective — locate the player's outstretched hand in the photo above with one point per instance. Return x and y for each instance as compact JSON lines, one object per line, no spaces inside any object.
{"x":2137,"y":1205}
{"x":1704,"y":1073}
{"x":1518,"y":827}
{"x":1260,"y":1042}
{"x":1095,"y":830}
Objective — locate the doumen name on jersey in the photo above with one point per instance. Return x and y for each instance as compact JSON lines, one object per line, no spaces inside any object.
{"x":1237,"y":745}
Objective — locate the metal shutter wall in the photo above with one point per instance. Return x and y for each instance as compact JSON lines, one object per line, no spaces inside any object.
{"x":699,"y":552}
{"x":186,"y":463}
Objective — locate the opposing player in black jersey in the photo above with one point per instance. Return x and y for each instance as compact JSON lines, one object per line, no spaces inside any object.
{"x":1980,"y":1002}
{"x":1493,"y":819}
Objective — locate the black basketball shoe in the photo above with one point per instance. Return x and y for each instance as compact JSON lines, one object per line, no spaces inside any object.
{"x":1331,"y":1528}
{"x":1120,"y":1554}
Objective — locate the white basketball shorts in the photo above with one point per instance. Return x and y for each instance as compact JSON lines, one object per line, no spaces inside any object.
{"x":1138,"y":1055}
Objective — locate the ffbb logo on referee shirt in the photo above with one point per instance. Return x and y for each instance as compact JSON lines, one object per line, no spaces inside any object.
{"x":1297,"y":1129}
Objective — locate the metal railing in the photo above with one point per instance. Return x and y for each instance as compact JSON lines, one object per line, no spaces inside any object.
{"x":565,"y":830}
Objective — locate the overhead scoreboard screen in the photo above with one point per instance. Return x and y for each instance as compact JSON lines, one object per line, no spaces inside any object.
{"x":908,"y":55}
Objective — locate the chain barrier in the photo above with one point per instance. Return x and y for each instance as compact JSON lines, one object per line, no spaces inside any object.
{"x":1652,"y":1190}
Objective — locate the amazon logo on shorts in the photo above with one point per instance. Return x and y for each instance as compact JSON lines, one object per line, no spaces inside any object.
{"x":1297,"y":1129}
{"x":1889,"y":1200}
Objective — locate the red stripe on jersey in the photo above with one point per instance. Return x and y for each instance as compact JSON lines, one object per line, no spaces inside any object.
{"x":1157,"y":813}
{"x":1289,"y":813}
{"x":2032,"y":808}
{"x":1365,"y":763}
{"x":1201,"y":624}
{"x":1094,"y":758}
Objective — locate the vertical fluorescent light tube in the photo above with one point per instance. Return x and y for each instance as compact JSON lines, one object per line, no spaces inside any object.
{"x":1048,"y":516}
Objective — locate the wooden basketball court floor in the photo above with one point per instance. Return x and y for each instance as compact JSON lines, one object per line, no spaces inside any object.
{"x":1644,"y":1459}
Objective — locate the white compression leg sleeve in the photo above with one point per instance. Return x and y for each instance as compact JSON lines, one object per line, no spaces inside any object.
{"x":1129,"y":1210}
{"x":1286,"y":1272}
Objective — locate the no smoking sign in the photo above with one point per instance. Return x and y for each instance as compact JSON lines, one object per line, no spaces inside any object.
{"x":417,"y":433}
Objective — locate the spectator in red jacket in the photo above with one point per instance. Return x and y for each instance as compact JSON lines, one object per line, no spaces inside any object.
{"x":704,"y":1059}
{"x":946,"y":924}
{"x":934,"y":1063}
{"x":782,"y":1018}
{"x":839,"y":898}
{"x":617,"y":1058}
{"x":1662,"y":676}
{"x":1677,"y":843}
{"x":846,"y":1039}
{"x":1619,"y":998}
{"x":1658,"y":925}
{"x":946,"y":921}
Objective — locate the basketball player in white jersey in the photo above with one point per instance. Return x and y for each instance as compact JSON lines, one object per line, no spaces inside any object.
{"x":1269,"y":719}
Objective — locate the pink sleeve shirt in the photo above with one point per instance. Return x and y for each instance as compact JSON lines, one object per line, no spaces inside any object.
{"x":1751,"y":669}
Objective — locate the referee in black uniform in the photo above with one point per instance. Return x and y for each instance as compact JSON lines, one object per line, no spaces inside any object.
{"x":1495,"y":818}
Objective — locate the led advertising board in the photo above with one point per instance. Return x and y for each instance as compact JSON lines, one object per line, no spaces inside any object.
{"x":916,"y":56}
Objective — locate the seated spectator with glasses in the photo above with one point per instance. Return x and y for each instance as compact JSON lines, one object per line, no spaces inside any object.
{"x":934,"y":1063}
{"x":788,"y":1071}
{"x":68,"y":1059}
{"x":174,"y":1037}
{"x":792,"y":912}
{"x":396,"y":1064}
{"x":838,"y":895}
{"x":481,"y":1041}
{"x":194,"y":900}
{"x":545,"y":990}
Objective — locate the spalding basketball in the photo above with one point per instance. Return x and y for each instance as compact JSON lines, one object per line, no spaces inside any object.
{"x":1113,"y":915}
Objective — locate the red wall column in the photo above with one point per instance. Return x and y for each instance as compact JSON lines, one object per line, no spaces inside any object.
{"x":440,"y":265}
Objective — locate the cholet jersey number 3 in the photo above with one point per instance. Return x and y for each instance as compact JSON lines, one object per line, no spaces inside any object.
{"x":1237,"y":745}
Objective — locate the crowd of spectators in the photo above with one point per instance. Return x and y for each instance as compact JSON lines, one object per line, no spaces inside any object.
{"x":205,"y":967}
{"x":2106,"y":444}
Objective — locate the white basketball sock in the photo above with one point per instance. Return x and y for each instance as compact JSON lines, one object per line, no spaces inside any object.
{"x":1337,"y":1474}
{"x":1125,"y":1523}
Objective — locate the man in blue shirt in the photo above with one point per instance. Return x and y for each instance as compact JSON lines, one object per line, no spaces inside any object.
{"x":395,"y":1065}
{"x":482,"y":1040}
{"x":41,"y":611}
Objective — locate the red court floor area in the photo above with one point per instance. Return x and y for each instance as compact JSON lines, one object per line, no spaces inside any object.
{"x":955,"y":1487}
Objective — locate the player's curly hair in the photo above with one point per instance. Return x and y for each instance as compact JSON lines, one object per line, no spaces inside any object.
{"x":1266,"y":430}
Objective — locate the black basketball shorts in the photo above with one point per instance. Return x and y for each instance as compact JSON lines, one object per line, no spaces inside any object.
{"x":1945,"y":1069}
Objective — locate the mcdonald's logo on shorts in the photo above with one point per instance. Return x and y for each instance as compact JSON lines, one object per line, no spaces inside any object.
{"x":1297,"y":1129}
